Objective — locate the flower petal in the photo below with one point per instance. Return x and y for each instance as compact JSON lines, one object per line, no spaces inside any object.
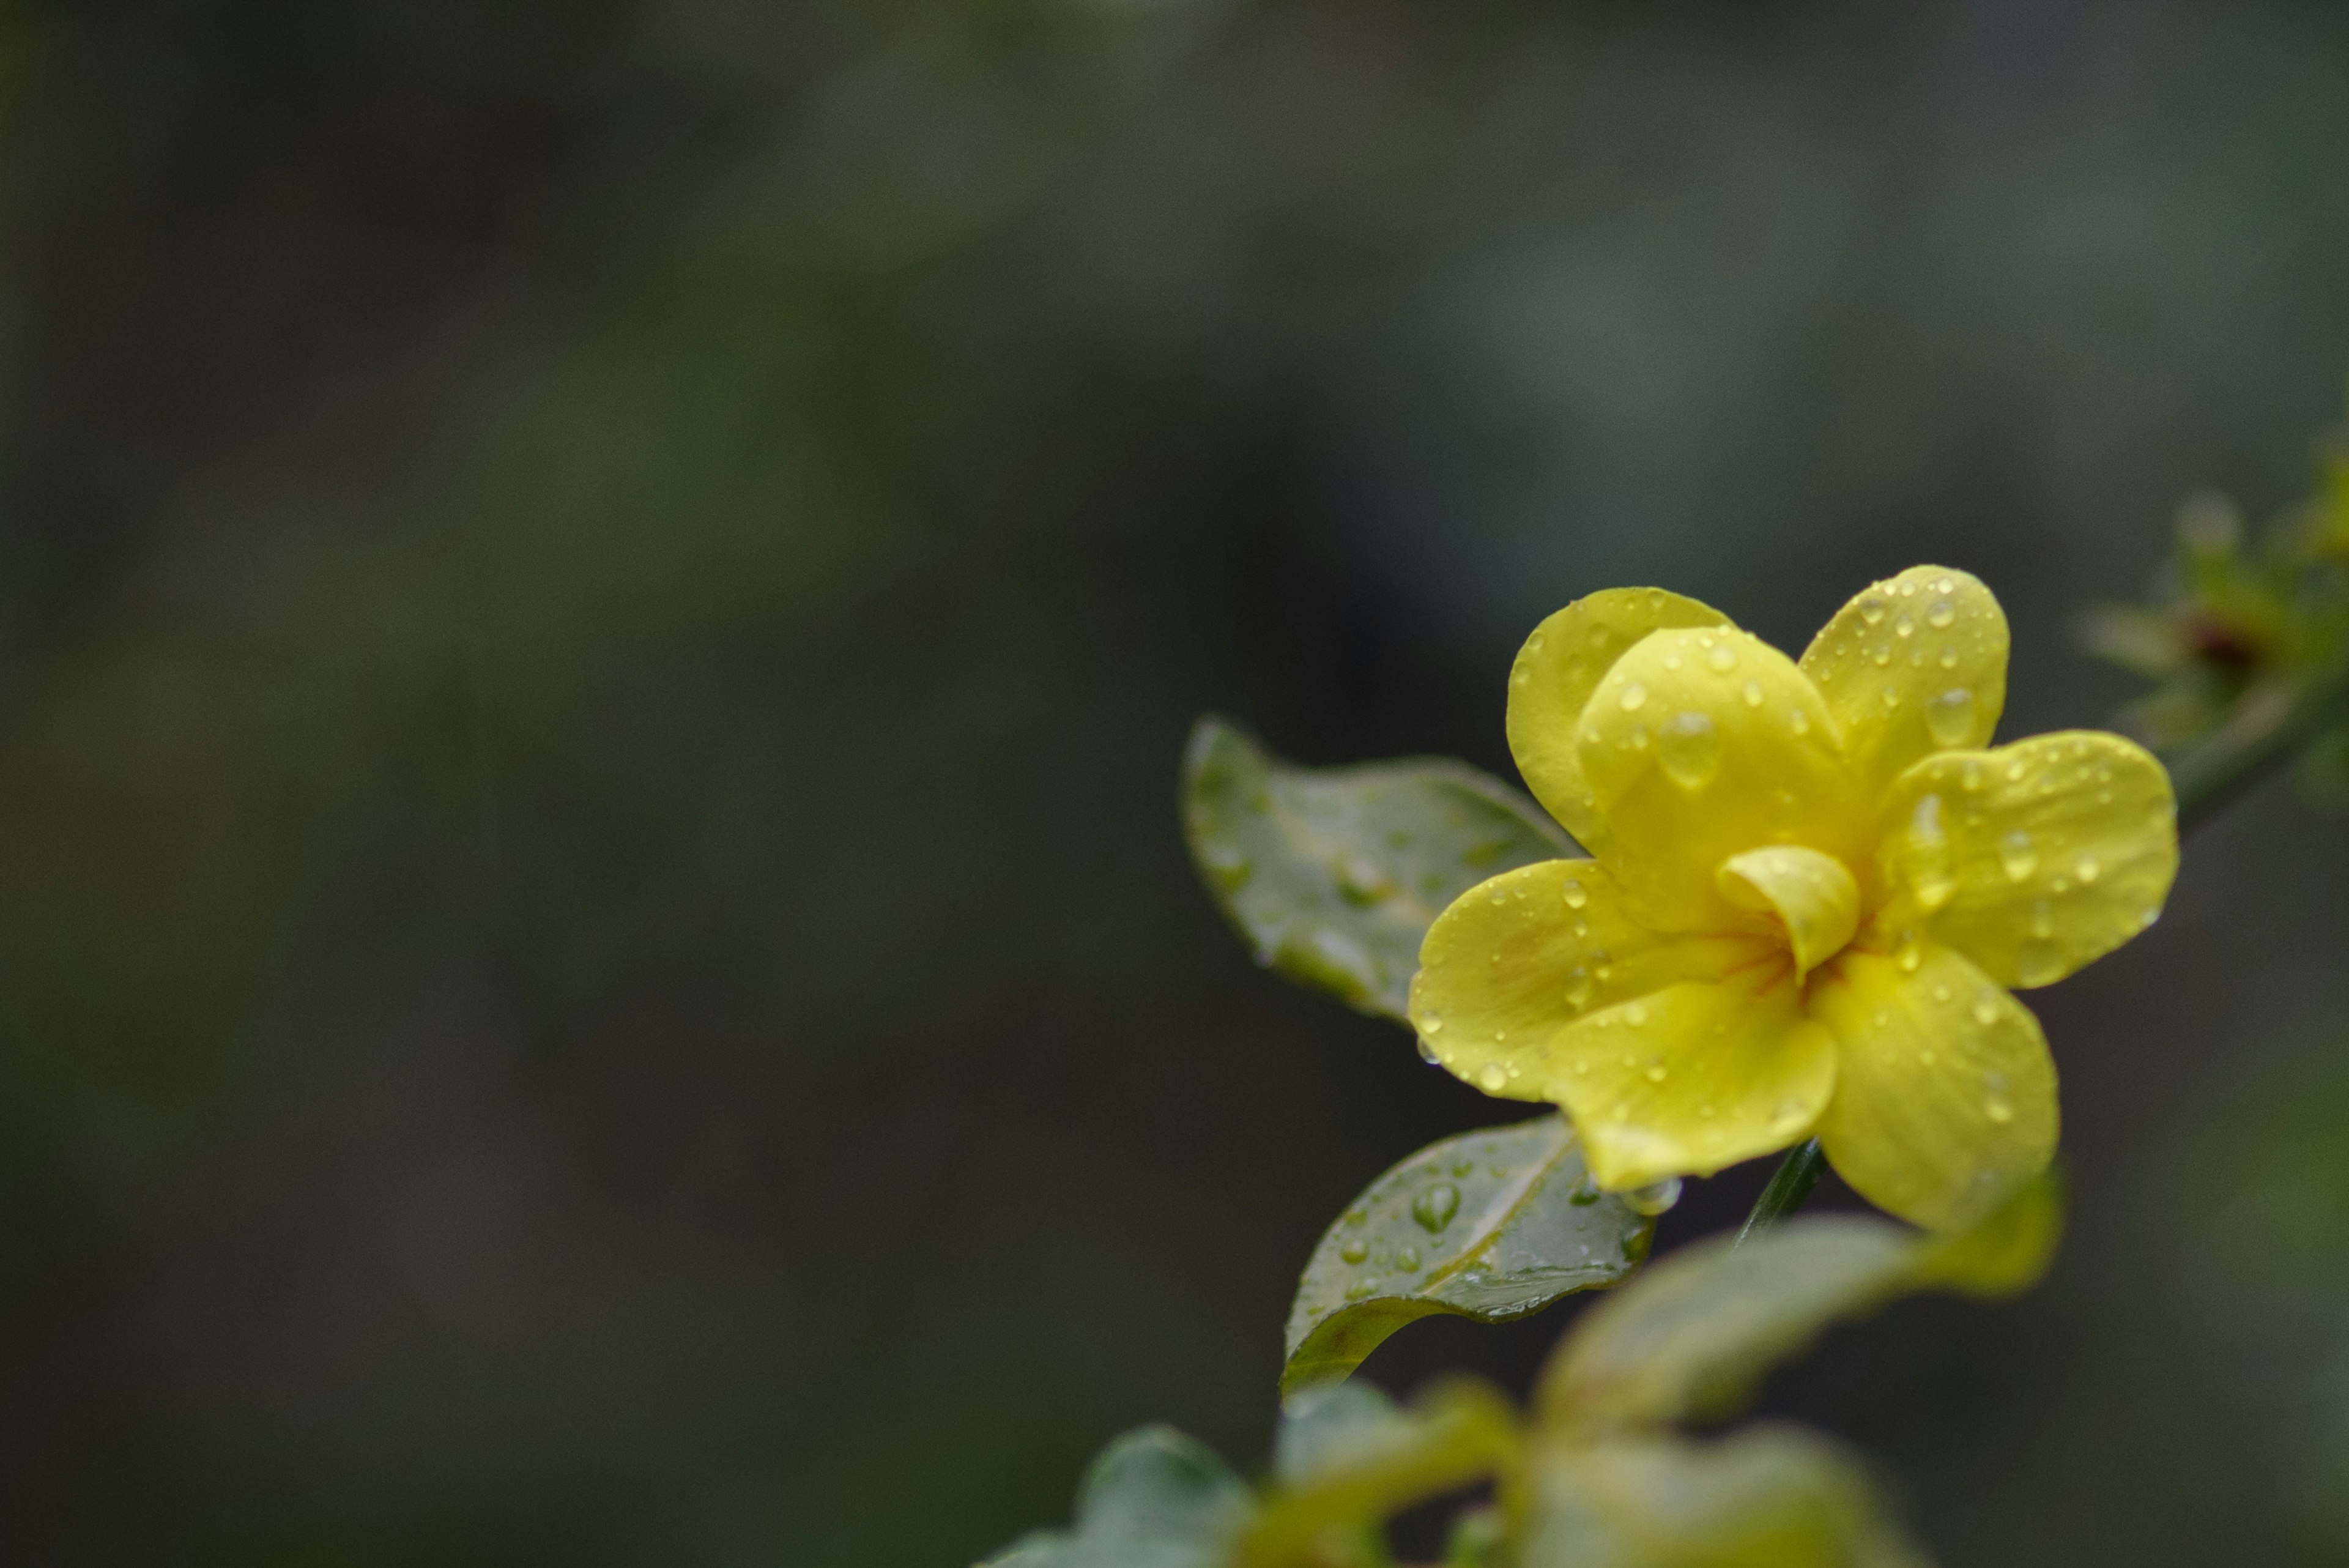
{"x":1692,"y":1078}
{"x":1514,"y":961}
{"x":1699,"y":745}
{"x":2034,"y":858}
{"x":1945,"y":1095}
{"x":1915,"y":664}
{"x":1814,"y":895}
{"x":1559,"y":668}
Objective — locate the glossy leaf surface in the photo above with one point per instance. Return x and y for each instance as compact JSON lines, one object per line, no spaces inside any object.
{"x":1490,"y":1225}
{"x":1769,"y":1497}
{"x":1691,"y":1336}
{"x":1153,"y":1499}
{"x":1334,"y":875}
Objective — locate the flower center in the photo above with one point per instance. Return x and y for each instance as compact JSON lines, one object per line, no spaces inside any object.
{"x":1812,"y":895}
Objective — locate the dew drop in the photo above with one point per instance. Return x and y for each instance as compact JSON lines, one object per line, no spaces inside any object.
{"x":1360,"y":1291}
{"x":2037,"y":962}
{"x":1998,"y":1110}
{"x":1949,"y":717}
{"x":1434,"y":1208}
{"x":1577,"y":895}
{"x":1904,"y":625}
{"x":1799,"y":721}
{"x":1722,"y":658}
{"x":1653,"y":1198}
{"x":1636,"y":1015}
{"x":1880,"y":655}
{"x":1427,"y":1054}
{"x":1633,"y":696}
{"x":1752,"y":694}
{"x":1407,"y":1260}
{"x":1986,"y":1007}
{"x":2086,"y":868}
{"x":1871,"y":610}
{"x":1534,"y":643}
{"x":1689,"y":749}
{"x":1657,"y":1071}
{"x":1940,"y":994}
{"x":1939,"y":614}
{"x":1430,"y":1023}
{"x":1464,"y":1166}
{"x":2016,"y":857}
{"x":1355,"y":1251}
{"x":1671,"y":661}
{"x":1948,"y":657}
{"x":1493,"y":1077}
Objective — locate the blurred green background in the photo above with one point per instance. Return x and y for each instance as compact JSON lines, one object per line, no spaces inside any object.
{"x":600,"y":600}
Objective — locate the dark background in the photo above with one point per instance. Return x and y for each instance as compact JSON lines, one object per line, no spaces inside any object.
{"x":599,"y":601}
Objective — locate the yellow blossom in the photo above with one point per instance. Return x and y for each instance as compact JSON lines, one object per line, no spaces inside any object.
{"x":1813,"y":886}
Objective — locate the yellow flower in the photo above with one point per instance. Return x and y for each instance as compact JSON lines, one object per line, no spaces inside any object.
{"x":1811,"y":892}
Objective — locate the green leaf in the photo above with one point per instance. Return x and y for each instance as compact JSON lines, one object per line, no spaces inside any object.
{"x":1691,"y":1336}
{"x":1334,"y":875}
{"x":1490,"y":1225}
{"x":1769,"y":1497}
{"x":1153,"y":1499}
{"x":1348,"y":1460}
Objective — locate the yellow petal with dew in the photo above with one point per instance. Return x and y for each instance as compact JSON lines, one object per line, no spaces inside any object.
{"x":1693,"y":1077}
{"x":1945,"y":1095}
{"x":1515,"y":959}
{"x":1556,"y":672}
{"x":2034,"y":858}
{"x":1812,"y":895}
{"x":1699,"y":745}
{"x":1915,"y":664}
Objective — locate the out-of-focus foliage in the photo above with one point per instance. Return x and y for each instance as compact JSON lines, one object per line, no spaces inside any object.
{"x":1700,"y":1328}
{"x":1602,"y":1478}
{"x":2239,"y":625}
{"x":1489,"y":1225}
{"x":1153,"y":1499}
{"x":1334,"y":875}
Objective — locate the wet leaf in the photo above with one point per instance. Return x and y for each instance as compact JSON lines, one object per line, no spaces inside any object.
{"x":1490,"y":1225}
{"x":1769,"y":1497}
{"x":1691,"y":1336}
{"x":1153,"y":1499}
{"x":1334,"y":875}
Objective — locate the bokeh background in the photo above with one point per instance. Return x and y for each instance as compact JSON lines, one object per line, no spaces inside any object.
{"x":599,"y":601}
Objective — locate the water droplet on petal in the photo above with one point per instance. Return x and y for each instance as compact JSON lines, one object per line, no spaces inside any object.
{"x":1577,"y":895}
{"x":1355,"y":1251}
{"x":1655,"y":1197}
{"x":2038,"y":963}
{"x":1939,"y":614}
{"x":1722,"y":658}
{"x":1986,"y":1007}
{"x":2086,"y":868}
{"x":1689,"y":749}
{"x":1871,"y":610}
{"x":1657,"y":1071}
{"x":1633,"y":696}
{"x":1998,"y":1110}
{"x":1799,"y":721}
{"x":1948,"y":657}
{"x":1427,"y":1054}
{"x":1493,"y":1077}
{"x":1636,"y":1015}
{"x":1407,"y":1260}
{"x":1950,"y":718}
{"x":2016,"y":857}
{"x":1881,"y":655}
{"x":1752,"y":694}
{"x":1904,"y":625}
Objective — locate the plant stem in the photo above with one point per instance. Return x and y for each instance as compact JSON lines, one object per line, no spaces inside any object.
{"x":1796,"y":1175}
{"x":2208,"y":776}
